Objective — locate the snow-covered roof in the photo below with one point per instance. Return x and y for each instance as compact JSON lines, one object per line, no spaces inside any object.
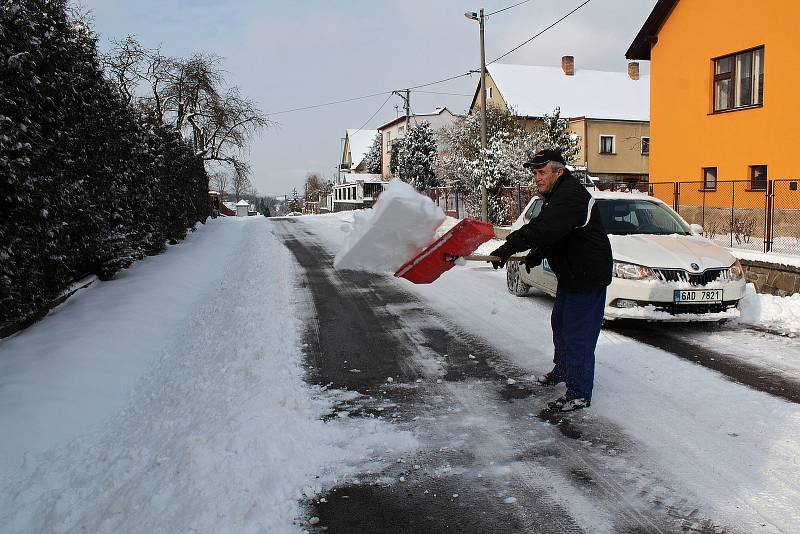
{"x":535,"y":91}
{"x":360,"y":142}
{"x":438,"y":111}
{"x":243,"y":202}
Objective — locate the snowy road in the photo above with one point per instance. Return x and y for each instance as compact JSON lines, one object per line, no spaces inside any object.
{"x":237,"y":383}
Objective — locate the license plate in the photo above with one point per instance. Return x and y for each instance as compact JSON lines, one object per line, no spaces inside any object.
{"x":691,"y":296}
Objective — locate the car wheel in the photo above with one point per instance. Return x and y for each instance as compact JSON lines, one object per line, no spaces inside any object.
{"x":514,"y":279}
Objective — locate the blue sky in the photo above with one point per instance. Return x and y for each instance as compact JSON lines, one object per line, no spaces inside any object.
{"x":299,"y":53}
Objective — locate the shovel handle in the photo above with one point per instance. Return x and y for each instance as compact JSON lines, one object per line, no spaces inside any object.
{"x":486,"y":258}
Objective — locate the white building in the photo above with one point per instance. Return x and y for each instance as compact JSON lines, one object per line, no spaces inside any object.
{"x":242,"y":208}
{"x":396,"y":129}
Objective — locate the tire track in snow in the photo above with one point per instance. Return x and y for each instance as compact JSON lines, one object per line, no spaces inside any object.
{"x":678,"y":340}
{"x":463,"y":424}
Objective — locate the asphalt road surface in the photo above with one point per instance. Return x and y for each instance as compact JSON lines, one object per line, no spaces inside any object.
{"x":490,"y":459}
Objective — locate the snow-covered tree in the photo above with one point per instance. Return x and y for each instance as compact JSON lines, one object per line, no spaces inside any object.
{"x":465,"y":167}
{"x":416,"y":157}
{"x":498,"y":167}
{"x":373,"y":158}
{"x":553,"y":133}
{"x":294,"y":203}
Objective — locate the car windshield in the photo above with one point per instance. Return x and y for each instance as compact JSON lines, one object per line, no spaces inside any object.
{"x":639,"y":216}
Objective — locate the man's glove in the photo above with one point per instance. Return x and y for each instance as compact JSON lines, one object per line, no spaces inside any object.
{"x":503,"y":252}
{"x":533,"y":259}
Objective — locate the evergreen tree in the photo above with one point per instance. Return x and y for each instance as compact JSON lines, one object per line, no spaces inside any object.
{"x":89,"y":184}
{"x":294,"y":203}
{"x":374,"y":157}
{"x":394,"y":152}
{"x":416,"y":159}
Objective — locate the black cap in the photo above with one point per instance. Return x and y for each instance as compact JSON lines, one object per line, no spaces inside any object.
{"x":541,"y":158}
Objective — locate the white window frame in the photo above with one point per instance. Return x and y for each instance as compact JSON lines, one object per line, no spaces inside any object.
{"x":648,"y":145}
{"x":613,"y":144}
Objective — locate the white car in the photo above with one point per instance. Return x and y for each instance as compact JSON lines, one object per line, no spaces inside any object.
{"x":664,"y":269}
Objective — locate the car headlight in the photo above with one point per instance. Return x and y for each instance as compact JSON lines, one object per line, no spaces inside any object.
{"x":631,"y":271}
{"x":735,"y":271}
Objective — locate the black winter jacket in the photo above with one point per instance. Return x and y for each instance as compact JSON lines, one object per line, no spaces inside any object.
{"x":569,"y":233}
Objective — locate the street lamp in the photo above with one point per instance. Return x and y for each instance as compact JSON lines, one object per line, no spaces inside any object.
{"x":484,"y":200}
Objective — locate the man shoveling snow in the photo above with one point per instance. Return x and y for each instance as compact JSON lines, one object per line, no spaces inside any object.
{"x":569,"y":234}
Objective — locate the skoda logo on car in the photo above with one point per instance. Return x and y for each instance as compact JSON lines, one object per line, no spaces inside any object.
{"x":695,"y":267}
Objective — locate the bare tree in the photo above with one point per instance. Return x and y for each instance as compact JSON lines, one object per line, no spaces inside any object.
{"x":241,"y":179}
{"x":123,"y":65}
{"x":220,"y":181}
{"x":189,"y":95}
{"x":313,"y":186}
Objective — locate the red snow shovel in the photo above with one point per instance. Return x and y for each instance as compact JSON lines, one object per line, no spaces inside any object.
{"x":438,"y":257}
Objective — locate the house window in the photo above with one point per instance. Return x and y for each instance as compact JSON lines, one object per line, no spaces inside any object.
{"x":739,"y":80}
{"x":645,"y":146}
{"x":758,"y":177}
{"x":490,"y":93}
{"x":388,"y":141}
{"x":607,"y":144}
{"x":710,"y":178}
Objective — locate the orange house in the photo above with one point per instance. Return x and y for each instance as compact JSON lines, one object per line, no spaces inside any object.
{"x":724,"y":105}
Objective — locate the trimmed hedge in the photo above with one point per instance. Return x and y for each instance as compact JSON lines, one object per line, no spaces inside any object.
{"x":88,"y":184}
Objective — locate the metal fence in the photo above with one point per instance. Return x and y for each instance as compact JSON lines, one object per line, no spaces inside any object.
{"x":735,"y":215}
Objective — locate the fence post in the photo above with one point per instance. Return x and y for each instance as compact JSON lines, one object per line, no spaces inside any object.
{"x":768,"y":217}
{"x":703,"y":211}
{"x":733,"y":211}
{"x":519,"y":200}
{"x":455,"y":194}
{"x":676,"y":196}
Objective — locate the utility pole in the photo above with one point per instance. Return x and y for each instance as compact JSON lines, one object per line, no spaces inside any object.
{"x":406,"y":103}
{"x":484,"y":197}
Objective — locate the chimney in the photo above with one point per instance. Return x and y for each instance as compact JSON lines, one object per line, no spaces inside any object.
{"x":633,"y":70}
{"x":568,"y":65}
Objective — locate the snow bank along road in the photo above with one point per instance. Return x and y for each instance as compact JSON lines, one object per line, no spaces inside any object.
{"x":237,"y":383}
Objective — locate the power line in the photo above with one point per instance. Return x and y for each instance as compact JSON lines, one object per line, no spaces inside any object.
{"x":437,"y":93}
{"x":443,"y":80}
{"x":538,"y":34}
{"x":373,"y":115}
{"x":505,"y":8}
{"x":330,"y":103}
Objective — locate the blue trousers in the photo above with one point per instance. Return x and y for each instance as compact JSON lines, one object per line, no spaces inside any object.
{"x":576,"y":321}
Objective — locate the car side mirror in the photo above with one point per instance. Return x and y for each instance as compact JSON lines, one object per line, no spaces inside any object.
{"x":696,"y":228}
